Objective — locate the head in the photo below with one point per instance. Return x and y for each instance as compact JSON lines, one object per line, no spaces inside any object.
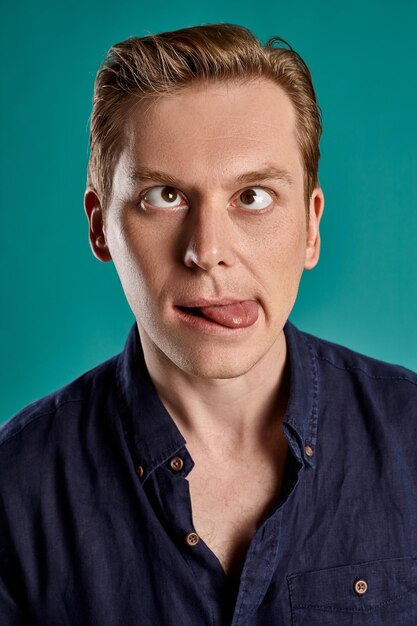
{"x":203,"y":190}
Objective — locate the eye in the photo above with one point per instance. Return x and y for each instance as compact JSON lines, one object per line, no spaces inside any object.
{"x":162,"y":197}
{"x":255,"y":198}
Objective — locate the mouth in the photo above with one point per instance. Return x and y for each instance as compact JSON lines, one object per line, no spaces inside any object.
{"x":191,"y":310}
{"x":229,"y":314}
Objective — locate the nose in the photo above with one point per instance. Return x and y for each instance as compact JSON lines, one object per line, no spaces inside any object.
{"x":209,"y":239}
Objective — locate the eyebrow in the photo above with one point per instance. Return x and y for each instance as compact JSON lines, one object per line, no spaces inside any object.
{"x":270,"y":172}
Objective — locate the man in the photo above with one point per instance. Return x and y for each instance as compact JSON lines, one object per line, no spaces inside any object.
{"x":226,"y":468}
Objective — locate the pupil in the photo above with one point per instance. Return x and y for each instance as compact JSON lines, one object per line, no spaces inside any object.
{"x":248,"y":196}
{"x":169,"y":194}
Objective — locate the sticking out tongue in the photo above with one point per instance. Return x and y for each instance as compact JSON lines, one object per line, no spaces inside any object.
{"x":236,"y":315}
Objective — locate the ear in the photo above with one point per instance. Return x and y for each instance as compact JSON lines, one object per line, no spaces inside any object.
{"x":97,"y":234}
{"x":316,"y":209}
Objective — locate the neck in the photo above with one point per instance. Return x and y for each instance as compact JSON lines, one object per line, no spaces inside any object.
{"x":243,"y":411}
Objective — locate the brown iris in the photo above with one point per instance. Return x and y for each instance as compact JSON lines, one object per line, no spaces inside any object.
{"x":248,"y":196}
{"x":169,"y":194}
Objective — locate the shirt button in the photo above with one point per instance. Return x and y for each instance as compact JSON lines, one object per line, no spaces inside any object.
{"x":139,"y":471}
{"x":360,"y":587}
{"x":176,"y":463}
{"x":192,"y":539}
{"x":309,"y":451}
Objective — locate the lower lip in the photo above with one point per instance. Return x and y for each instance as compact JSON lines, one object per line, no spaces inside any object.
{"x":202,"y":324}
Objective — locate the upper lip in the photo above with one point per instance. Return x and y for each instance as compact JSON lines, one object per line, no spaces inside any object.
{"x":202,"y":302}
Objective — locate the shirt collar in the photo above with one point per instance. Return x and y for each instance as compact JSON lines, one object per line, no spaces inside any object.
{"x":301,"y":414}
{"x":151,"y":433}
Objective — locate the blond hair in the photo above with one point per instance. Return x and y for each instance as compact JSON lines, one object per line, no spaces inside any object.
{"x":161,"y":64}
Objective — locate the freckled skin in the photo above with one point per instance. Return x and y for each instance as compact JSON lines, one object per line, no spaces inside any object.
{"x":210,"y":247}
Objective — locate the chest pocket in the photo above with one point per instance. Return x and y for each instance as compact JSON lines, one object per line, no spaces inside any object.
{"x":377,"y":593}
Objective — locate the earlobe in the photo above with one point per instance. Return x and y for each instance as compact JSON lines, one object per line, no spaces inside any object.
{"x":97,"y":234}
{"x":313,"y":241}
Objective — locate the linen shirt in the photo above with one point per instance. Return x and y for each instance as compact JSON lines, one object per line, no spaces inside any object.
{"x":96,"y":523}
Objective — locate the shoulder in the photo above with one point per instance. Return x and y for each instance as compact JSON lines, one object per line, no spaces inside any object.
{"x":348,"y":360}
{"x":49,"y":449}
{"x":360,"y":380}
{"x":61,"y":405}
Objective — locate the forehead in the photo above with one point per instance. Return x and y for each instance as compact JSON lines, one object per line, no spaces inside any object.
{"x":213,"y":128}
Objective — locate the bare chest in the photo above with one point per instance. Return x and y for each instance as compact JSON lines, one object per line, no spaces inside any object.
{"x":228,"y":506}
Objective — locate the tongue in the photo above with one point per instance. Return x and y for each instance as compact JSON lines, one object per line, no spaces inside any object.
{"x":236,"y":315}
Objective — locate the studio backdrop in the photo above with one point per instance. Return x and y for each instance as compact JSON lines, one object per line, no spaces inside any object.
{"x":63,"y":312}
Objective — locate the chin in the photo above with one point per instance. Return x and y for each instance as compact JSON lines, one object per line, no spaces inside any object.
{"x":208,"y":357}
{"x":215,"y":364}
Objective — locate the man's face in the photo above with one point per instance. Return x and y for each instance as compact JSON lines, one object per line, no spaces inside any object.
{"x":223,"y":223}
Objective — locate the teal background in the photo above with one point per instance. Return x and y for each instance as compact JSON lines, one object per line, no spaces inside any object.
{"x":63,"y":312}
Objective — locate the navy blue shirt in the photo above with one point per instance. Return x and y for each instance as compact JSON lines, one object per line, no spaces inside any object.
{"x":95,"y":515}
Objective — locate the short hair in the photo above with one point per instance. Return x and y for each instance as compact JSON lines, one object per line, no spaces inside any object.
{"x":165,"y":63}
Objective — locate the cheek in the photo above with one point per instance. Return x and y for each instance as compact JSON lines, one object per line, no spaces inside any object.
{"x":283,"y":254}
{"x":139,"y":254}
{"x":282,"y":248}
